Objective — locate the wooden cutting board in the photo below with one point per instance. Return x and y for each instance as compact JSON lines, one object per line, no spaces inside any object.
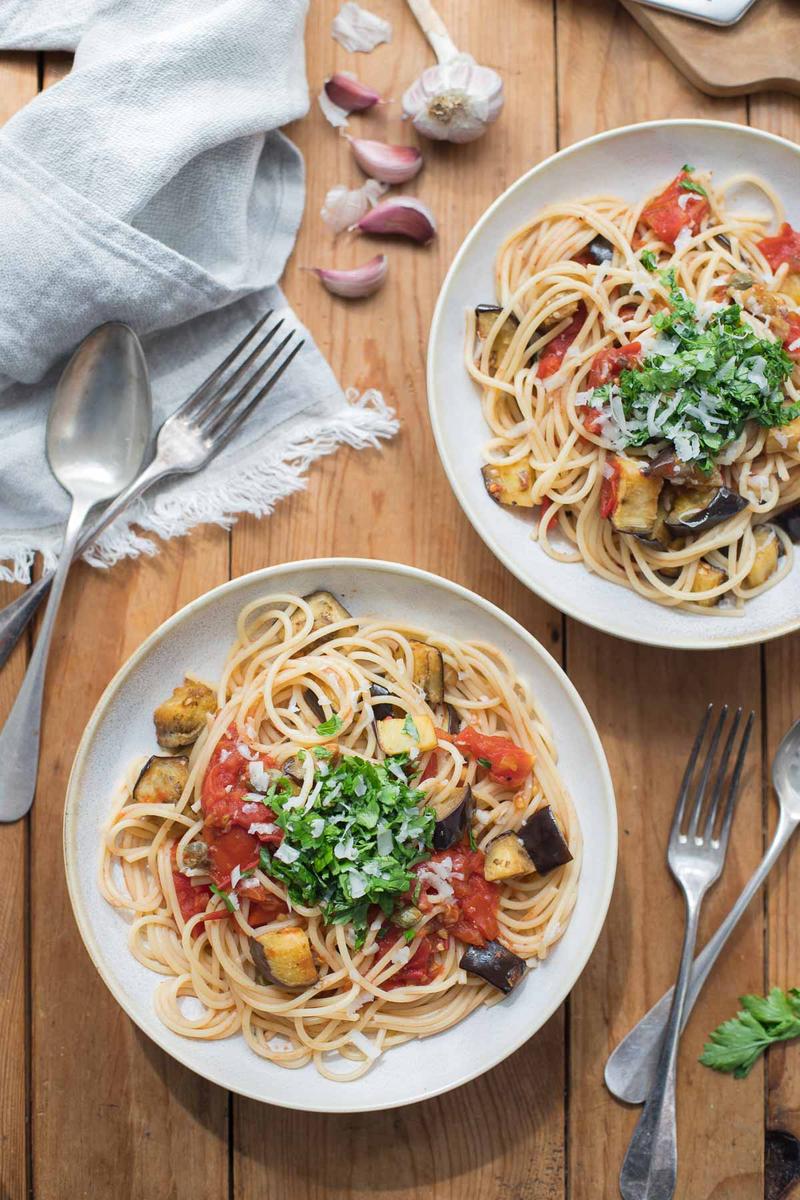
{"x":760,"y":53}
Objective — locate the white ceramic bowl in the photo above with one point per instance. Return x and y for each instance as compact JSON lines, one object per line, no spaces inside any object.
{"x":626,"y":162}
{"x":197,"y":638}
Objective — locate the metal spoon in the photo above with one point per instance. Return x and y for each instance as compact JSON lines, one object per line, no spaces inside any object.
{"x":97,"y":433}
{"x":632,"y":1066}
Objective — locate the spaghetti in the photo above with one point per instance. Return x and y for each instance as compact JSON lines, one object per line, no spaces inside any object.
{"x":639,"y":378}
{"x":373,"y":765}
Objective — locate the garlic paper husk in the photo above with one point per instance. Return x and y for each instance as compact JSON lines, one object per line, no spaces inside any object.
{"x":357,"y":28}
{"x":357,"y":282}
{"x":390,"y":164}
{"x":454,"y":101}
{"x":344,"y":208}
{"x":332,"y":111}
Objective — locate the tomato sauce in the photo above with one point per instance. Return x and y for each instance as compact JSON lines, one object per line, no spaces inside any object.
{"x":793,"y":321}
{"x":472,"y":915}
{"x":609,"y":488}
{"x":609,"y":364}
{"x":227,"y":813}
{"x":784,"y":247}
{"x":508,"y":763}
{"x":553,"y":353}
{"x":420,"y":968}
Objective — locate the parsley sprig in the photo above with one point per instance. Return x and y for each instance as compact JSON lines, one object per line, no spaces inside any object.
{"x":357,"y":837}
{"x":736,"y":1045}
{"x":700,"y":387}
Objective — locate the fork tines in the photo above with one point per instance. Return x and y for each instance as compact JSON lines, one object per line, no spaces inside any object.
{"x":715,"y":815}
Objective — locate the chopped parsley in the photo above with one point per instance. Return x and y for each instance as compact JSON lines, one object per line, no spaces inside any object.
{"x":736,"y":1045}
{"x":689,"y":185}
{"x":331,"y":726}
{"x":224,"y":896}
{"x":354,"y":841}
{"x":409,"y":934}
{"x":648,"y":260}
{"x":484,"y":762}
{"x":706,"y":376}
{"x":410,"y":729}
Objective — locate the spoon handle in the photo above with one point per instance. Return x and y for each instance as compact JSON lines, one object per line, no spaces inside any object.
{"x":631,"y":1067}
{"x":19,"y":739}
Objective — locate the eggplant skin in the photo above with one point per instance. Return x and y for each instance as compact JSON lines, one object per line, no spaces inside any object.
{"x":789,"y":521}
{"x":325,"y":610}
{"x":381,"y":711}
{"x":697,"y":509}
{"x":494,"y":963}
{"x":600,"y":250}
{"x":506,"y":858}
{"x":180,"y":720}
{"x":283,"y":957}
{"x":162,"y":779}
{"x":451,"y":829}
{"x":428,"y":671}
{"x":543,"y":838}
{"x":485,"y":317}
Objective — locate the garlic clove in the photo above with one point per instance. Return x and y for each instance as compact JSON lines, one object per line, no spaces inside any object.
{"x":343,"y":208}
{"x":358,"y":282}
{"x":454,"y":101}
{"x":332,"y":112}
{"x":403,"y":216}
{"x":356,"y":28}
{"x":349,"y":94}
{"x":389,"y":164}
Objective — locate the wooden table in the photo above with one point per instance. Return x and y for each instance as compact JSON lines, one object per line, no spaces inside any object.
{"x":88,"y":1106}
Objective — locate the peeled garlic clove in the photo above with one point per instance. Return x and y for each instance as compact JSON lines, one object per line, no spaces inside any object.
{"x":454,"y":101}
{"x":359,"y":282}
{"x":404,"y":216}
{"x":343,"y":208}
{"x":349,"y":94}
{"x":389,"y":164}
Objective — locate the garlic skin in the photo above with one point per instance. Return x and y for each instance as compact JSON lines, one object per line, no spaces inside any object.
{"x":332,"y":112}
{"x":344,"y":208}
{"x":358,"y":282}
{"x":403,"y":216}
{"x":389,"y":164}
{"x":454,"y":101}
{"x":349,"y":93}
{"x":356,"y":28}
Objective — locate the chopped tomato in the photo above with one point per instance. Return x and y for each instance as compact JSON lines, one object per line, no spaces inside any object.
{"x":508,"y":763}
{"x":553,"y":353}
{"x":792,"y":336}
{"x":784,"y":247}
{"x":264,"y":905}
{"x":545,"y":507}
{"x":229,"y":814}
{"x":592,"y":418}
{"x":609,"y":489}
{"x":472,"y":917}
{"x":420,"y":968}
{"x":431,"y":767}
{"x":668,"y":213}
{"x":608,"y":364}
{"x":191,"y":900}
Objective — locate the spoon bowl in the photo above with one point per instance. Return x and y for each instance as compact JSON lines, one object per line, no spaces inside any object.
{"x":786,"y":772}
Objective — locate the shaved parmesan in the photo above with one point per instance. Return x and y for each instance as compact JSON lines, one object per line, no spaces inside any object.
{"x":286,"y":853}
{"x":265,"y":828}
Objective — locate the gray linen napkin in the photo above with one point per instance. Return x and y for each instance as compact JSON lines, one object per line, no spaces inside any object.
{"x":152,"y":186}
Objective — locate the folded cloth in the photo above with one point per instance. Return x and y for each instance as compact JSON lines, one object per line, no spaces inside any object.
{"x":152,"y":186}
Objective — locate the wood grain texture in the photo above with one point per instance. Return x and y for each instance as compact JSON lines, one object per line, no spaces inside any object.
{"x":757,"y":54}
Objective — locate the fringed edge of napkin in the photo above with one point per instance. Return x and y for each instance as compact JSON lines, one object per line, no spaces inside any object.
{"x":256,"y":489}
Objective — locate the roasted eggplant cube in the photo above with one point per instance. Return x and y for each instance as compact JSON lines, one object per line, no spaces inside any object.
{"x":707,"y":577}
{"x":162,"y":779}
{"x":659,"y":537}
{"x":453,"y":822}
{"x":180,"y":720}
{"x":380,"y":711}
{"x":543,"y":838}
{"x":784,"y":438}
{"x":485,"y":317}
{"x":326,"y":610}
{"x":506,"y":857}
{"x":696,"y":509}
{"x":789,"y":521}
{"x":600,"y":250}
{"x":494,"y":963}
{"x":428,"y":671}
{"x":766,"y":559}
{"x":509,"y":483}
{"x":284,"y":957}
{"x":636,"y":509}
{"x":395,"y":735}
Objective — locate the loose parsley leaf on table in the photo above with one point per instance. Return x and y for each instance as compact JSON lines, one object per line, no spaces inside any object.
{"x":736,"y":1045}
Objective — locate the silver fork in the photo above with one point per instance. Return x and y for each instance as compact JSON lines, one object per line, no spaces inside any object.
{"x":696,"y":857}
{"x":186,"y":441}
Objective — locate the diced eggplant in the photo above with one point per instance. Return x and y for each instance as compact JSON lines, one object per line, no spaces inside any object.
{"x":195,"y":855}
{"x":293,"y":769}
{"x":395,"y":737}
{"x":659,"y":537}
{"x":313,"y":703}
{"x":543,"y":838}
{"x":485,"y":317}
{"x":180,"y":720}
{"x":284,"y":957}
{"x":453,"y":719}
{"x":162,"y":779}
{"x":789,"y":521}
{"x":667,"y":465}
{"x":784,"y":438}
{"x":428,"y":671}
{"x":325,"y":610}
{"x":707,"y":577}
{"x":724,"y":241}
{"x":506,"y":857}
{"x":600,"y":250}
{"x":509,"y":483}
{"x":636,"y":508}
{"x":766,"y":559}
{"x":381,"y":711}
{"x":695,"y":509}
{"x":406,"y":918}
{"x":453,"y":824}
{"x":494,"y":963}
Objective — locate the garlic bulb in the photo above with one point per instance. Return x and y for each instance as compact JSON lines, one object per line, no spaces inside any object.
{"x":344,"y":208}
{"x":356,"y":283}
{"x":457,"y":99}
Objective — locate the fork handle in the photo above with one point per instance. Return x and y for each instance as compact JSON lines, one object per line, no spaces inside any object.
{"x":650,"y":1167}
{"x":16,"y":616}
{"x":631,"y":1067}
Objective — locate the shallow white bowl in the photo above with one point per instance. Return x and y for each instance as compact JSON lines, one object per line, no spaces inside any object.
{"x":197,"y":638}
{"x":626,"y":162}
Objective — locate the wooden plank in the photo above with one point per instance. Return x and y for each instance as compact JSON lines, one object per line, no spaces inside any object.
{"x":399,"y":506}
{"x":18,"y":85}
{"x":647,"y":704}
{"x":112,"y":1114}
{"x":781,"y":115}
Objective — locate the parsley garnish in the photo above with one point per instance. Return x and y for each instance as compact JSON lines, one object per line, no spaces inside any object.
{"x":473,"y":845}
{"x":265,"y":860}
{"x":484,"y":762}
{"x":736,"y":1045}
{"x":409,"y":934}
{"x":707,"y":378}
{"x":648,"y":260}
{"x":331,"y":726}
{"x":410,"y":729}
{"x":689,"y":185}
{"x":357,"y":841}
{"x":224,"y":896}
{"x":688,"y":168}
